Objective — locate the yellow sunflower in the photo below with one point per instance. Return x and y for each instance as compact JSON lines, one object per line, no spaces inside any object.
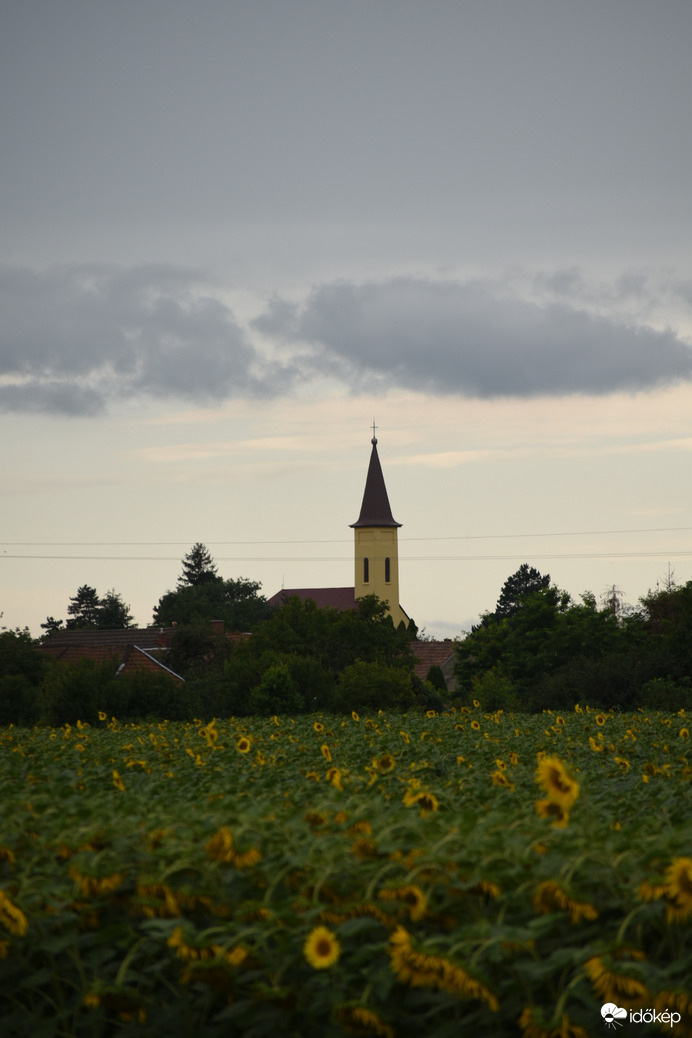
{"x":361,"y":1020}
{"x":532,"y":1027}
{"x":318,"y":726}
{"x":355,"y":716}
{"x":549,"y":809}
{"x":412,"y":896}
{"x":385,"y":763}
{"x":600,"y":720}
{"x":624,"y":989}
{"x":12,"y":918}
{"x":476,"y":726}
{"x":679,"y":890}
{"x":550,"y":897}
{"x":243,"y":745}
{"x":326,"y":753}
{"x":560,"y":787}
{"x":321,"y":949}
{"x":425,"y":801}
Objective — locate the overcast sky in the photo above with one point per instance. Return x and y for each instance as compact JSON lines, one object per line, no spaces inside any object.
{"x":232,"y":233}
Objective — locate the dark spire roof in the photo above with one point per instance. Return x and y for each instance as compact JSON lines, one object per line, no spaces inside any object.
{"x":375,"y":510}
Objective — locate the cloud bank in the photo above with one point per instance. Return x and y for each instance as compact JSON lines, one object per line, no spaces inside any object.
{"x":447,"y":337}
{"x":75,"y":338}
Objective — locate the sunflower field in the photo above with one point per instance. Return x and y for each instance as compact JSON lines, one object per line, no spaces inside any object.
{"x":439,"y":874}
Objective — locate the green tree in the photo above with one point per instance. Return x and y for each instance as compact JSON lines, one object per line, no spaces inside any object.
{"x":236,"y":602}
{"x":51,"y":625}
{"x":198,"y":567}
{"x":19,"y":655}
{"x":22,"y":667}
{"x":87,"y":609}
{"x":337,"y":638}
{"x":83,"y":609}
{"x":524,"y":582}
{"x":374,"y":685}
{"x":435,"y":677}
{"x":549,"y":652}
{"x":277,"y":693}
{"x":667,"y":621}
{"x":113,"y":612}
{"x":315,"y":646}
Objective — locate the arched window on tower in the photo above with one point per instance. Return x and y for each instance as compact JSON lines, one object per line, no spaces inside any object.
{"x":366,"y":571}
{"x":387,"y":571}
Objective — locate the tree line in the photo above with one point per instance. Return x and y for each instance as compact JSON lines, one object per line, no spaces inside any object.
{"x":293,"y":659}
{"x":200,"y":594}
{"x":540,"y":649}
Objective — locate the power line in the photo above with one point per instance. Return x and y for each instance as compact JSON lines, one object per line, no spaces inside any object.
{"x":342,"y":540}
{"x":670,"y":554}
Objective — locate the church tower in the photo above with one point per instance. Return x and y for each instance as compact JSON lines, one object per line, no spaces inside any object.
{"x":376,"y":543}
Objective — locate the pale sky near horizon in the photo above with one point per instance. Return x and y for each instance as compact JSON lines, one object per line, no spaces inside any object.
{"x":232,"y":233}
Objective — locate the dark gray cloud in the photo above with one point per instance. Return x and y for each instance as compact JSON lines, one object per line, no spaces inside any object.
{"x":447,"y":337}
{"x":75,"y":337}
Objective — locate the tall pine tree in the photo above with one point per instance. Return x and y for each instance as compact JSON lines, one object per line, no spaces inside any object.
{"x":198,"y":567}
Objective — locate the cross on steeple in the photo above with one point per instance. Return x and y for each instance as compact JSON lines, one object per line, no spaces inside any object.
{"x":374,"y":437}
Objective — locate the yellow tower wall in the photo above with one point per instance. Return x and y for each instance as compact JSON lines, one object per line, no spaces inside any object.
{"x":376,"y":544}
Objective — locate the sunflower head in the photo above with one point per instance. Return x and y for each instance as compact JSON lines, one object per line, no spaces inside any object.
{"x":559,"y":786}
{"x":427,"y":802}
{"x":679,"y":890}
{"x":321,"y":949}
{"x":549,"y":809}
{"x":361,"y":1020}
{"x":412,"y":897}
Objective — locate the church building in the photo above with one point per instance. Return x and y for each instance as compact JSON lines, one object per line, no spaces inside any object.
{"x":376,"y":554}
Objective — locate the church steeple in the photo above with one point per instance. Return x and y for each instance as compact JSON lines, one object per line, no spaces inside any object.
{"x":376,"y":542}
{"x":375,"y":509}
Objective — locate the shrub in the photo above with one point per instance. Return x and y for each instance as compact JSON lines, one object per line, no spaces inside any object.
{"x":143,"y":694}
{"x":374,"y":686}
{"x":76,"y":692}
{"x":18,"y":700}
{"x":277,"y":693}
{"x":427,"y":697}
{"x":495,"y":691}
{"x":667,"y":694}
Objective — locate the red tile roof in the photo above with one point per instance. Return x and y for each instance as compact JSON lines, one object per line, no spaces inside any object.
{"x":337,"y":597}
{"x":147,"y":637}
{"x":431,"y":653}
{"x":128,"y":649}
